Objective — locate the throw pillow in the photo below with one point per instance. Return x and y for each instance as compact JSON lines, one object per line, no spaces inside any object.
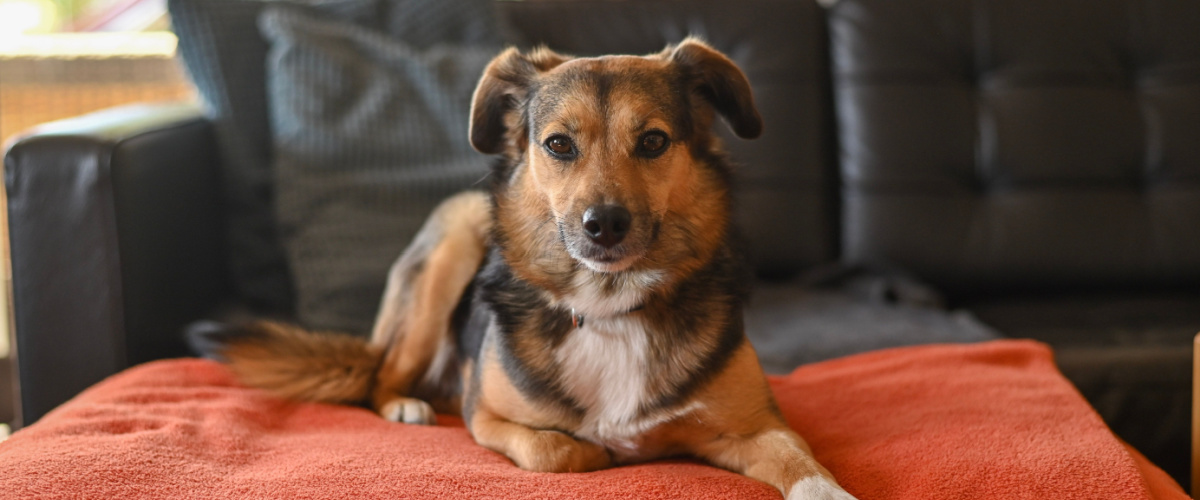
{"x":224,"y":53}
{"x":369,"y":135}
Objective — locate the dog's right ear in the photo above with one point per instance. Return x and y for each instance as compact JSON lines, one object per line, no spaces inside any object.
{"x":502,"y":90}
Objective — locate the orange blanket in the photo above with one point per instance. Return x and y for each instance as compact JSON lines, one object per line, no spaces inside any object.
{"x":992,"y":420}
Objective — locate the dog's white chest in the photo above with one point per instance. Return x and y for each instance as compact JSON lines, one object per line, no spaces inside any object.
{"x":603,"y":366}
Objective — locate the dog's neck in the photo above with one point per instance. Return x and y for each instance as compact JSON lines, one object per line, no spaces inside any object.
{"x":599,"y":295}
{"x":577,"y":320}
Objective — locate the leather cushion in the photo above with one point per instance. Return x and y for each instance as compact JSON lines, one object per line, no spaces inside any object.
{"x":1021,"y":144}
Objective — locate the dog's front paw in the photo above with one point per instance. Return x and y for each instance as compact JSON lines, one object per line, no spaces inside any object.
{"x":553,"y":451}
{"x":817,"y":488}
{"x":409,"y":411}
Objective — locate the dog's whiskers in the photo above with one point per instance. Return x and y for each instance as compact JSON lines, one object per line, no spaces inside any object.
{"x":481,"y":179}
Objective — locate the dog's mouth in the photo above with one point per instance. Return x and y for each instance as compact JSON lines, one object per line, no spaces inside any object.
{"x":604,"y":260}
{"x":606,"y":264}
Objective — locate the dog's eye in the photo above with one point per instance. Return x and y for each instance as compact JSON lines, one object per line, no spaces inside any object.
{"x":560,"y":146}
{"x":653,"y":144}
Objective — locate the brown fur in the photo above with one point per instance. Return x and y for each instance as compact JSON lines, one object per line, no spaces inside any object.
{"x":520,"y":367}
{"x":302,"y":365}
{"x":425,"y":285}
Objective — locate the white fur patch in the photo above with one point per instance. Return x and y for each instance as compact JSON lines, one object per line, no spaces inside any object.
{"x":408,"y":411}
{"x":604,"y":364}
{"x":590,"y":299}
{"x":817,"y":488}
{"x":604,"y":368}
{"x":608,"y":267}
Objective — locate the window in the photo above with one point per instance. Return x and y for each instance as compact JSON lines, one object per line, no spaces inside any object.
{"x":63,"y":58}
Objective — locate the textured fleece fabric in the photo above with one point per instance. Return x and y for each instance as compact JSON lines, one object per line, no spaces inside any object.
{"x":953,"y":422}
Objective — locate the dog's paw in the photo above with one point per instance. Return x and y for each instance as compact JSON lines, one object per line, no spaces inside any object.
{"x":408,"y":411}
{"x":553,"y":451}
{"x":817,"y":488}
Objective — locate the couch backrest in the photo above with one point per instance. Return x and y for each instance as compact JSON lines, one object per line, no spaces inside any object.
{"x":985,"y":145}
{"x":1021,"y":144}
{"x":786,"y":178}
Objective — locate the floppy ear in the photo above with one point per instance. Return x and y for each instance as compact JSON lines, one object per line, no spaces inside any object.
{"x":502,"y":90}
{"x":721,"y":83}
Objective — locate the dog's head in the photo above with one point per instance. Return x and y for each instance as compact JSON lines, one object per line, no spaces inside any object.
{"x":610,"y":160}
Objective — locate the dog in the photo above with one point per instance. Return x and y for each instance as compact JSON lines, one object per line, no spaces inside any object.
{"x":586,"y":311}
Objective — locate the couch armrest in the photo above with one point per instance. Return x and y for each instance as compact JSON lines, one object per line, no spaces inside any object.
{"x":116,"y":240}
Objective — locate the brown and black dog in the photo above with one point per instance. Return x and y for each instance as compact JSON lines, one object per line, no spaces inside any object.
{"x":587,"y":312}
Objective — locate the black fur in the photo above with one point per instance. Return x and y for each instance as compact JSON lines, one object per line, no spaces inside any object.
{"x":700,"y":299}
{"x":209,"y":339}
{"x":528,"y":326}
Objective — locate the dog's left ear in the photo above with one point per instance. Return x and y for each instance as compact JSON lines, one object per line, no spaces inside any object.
{"x":721,"y":83}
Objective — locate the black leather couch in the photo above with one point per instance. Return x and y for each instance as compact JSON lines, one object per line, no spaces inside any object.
{"x":1037,"y":162}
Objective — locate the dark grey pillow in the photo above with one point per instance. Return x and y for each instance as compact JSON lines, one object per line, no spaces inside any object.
{"x":369,"y":134}
{"x":224,"y":53}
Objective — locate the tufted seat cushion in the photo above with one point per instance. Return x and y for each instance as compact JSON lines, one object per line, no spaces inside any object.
{"x":1021,"y":144}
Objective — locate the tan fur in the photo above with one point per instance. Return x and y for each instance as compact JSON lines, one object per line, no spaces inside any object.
{"x":732,"y":421}
{"x":410,"y":330}
{"x":679,"y":205}
{"x":414,"y":319}
{"x":504,"y":421}
{"x":302,"y":365}
{"x":538,"y":450}
{"x":758,"y":443}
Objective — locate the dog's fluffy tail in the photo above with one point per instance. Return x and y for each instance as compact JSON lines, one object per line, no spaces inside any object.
{"x":292,"y":362}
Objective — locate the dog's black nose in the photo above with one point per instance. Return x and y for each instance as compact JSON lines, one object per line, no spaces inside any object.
{"x":607,"y":225}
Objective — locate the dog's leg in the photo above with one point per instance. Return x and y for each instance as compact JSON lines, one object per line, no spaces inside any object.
{"x":537,"y":450}
{"x":424,"y":287}
{"x":778,"y":457}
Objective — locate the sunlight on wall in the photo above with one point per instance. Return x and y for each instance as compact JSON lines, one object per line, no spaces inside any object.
{"x":51,"y":77}
{"x":19,"y":17}
{"x":127,"y":44}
